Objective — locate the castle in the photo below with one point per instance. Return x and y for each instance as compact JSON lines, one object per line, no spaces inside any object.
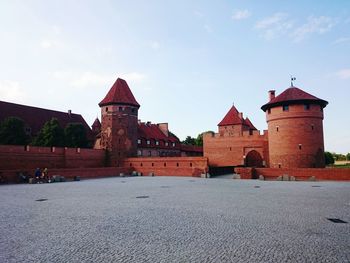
{"x":293,"y":143}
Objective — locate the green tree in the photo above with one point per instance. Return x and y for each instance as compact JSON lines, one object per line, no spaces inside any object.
{"x":348,"y":157}
{"x":51,"y":134}
{"x":12,"y":132}
{"x":199,"y":139}
{"x":75,"y":135}
{"x":329,"y":159}
{"x":189,"y":141}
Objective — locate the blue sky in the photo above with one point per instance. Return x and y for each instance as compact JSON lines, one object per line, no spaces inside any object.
{"x":185,"y":61}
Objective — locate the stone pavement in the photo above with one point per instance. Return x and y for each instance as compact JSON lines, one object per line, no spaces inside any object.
{"x":172,"y":219}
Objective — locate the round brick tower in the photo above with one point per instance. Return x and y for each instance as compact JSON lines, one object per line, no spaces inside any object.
{"x":119,"y":115}
{"x":295,"y":129}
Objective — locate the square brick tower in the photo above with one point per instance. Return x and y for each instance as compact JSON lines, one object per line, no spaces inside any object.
{"x":119,"y":122}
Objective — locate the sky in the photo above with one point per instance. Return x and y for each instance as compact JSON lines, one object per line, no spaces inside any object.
{"x":186,"y":62}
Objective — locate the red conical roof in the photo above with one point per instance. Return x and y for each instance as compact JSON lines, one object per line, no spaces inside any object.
{"x":120,"y":93}
{"x":293,"y":95}
{"x":231,"y":118}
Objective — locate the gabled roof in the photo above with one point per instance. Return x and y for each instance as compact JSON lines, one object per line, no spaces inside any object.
{"x":191,"y":148}
{"x":35,"y":117}
{"x":119,"y":93}
{"x":231,"y":118}
{"x":152,"y":131}
{"x":293,"y":95}
{"x":248,"y":123}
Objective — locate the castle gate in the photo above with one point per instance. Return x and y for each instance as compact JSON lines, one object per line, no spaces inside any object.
{"x":254,"y":159}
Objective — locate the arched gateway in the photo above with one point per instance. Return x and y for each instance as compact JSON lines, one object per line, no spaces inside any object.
{"x":254,"y":159}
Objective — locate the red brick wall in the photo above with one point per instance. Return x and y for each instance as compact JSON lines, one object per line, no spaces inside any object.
{"x":169,"y":166}
{"x":10,"y":176}
{"x":20,"y":157}
{"x":336,"y":174}
{"x":230,"y":150}
{"x":288,"y":130}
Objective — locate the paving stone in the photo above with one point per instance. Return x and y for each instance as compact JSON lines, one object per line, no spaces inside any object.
{"x":211,"y":220}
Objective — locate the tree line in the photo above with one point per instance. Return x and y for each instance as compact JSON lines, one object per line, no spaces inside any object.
{"x":330,"y":158}
{"x":198,"y":141}
{"x":13,"y":132}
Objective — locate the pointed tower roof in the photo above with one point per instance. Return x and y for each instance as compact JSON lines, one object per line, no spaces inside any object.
{"x":249,"y":124}
{"x":119,"y":93}
{"x":293,"y":95}
{"x":232,"y":117}
{"x":96,"y":123}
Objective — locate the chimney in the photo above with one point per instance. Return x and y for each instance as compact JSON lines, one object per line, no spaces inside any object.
{"x":148,"y":123}
{"x":240,"y":115}
{"x":69,"y":112}
{"x":164,"y":128}
{"x":271,"y":94}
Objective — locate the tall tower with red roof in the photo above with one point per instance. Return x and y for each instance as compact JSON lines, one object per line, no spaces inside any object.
{"x":295,"y":129}
{"x":119,"y":122}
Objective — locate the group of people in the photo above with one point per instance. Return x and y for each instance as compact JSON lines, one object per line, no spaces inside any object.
{"x":42,"y":176}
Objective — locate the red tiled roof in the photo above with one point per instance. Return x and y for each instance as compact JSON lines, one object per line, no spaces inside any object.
{"x":248,"y":123}
{"x":191,"y":148}
{"x":119,"y":93}
{"x":231,"y":118}
{"x":152,"y":131}
{"x":35,"y":118}
{"x":293,"y":95}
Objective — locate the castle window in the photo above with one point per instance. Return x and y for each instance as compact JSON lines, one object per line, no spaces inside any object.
{"x":132,"y":110}
{"x":120,"y":108}
{"x":164,"y":164}
{"x":157,"y":142}
{"x":268,"y":111}
{"x":130,"y":164}
{"x":306,"y":106}
{"x":174,"y":144}
{"x":141,"y":164}
{"x":299,"y":146}
{"x":250,"y":132}
{"x":149,"y":153}
{"x":152,"y":164}
{"x":139,"y":153}
{"x":139,"y":141}
{"x":230,"y":148}
{"x":166,"y":144}
{"x":279,"y":165}
{"x":177,"y":164}
{"x":190,"y":164}
{"x":285,"y":107}
{"x":106,"y":109}
{"x":312,"y":127}
{"x":277,"y":128}
{"x":148,"y":142}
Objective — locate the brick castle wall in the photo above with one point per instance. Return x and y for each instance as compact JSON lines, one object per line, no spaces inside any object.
{"x":296,"y":137}
{"x":334,"y":174}
{"x":230,"y":150}
{"x":169,"y":166}
{"x":30,"y":157}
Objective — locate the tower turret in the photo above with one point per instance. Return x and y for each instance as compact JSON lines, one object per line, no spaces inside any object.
{"x":119,"y":115}
{"x":295,"y":129}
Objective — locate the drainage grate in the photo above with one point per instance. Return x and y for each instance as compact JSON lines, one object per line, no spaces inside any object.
{"x":123,"y":181}
{"x":315,"y":186}
{"x":256,"y":186}
{"x":41,"y":200}
{"x":337,"y":220}
{"x":142,"y":196}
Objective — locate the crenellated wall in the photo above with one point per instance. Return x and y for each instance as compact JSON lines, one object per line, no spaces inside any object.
{"x":231,"y":150}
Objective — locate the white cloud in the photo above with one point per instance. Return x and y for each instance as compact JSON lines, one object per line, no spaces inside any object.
{"x":314,"y":25}
{"x":240,"y":14}
{"x":95,"y":80}
{"x":344,"y":73}
{"x":12,"y":91}
{"x":275,"y":25}
{"x":341,"y":40}
{"x":49,"y":43}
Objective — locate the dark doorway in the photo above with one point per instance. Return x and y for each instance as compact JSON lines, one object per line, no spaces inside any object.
{"x":221,"y":170}
{"x":253,"y":159}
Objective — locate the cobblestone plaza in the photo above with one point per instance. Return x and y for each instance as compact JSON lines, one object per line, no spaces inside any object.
{"x":174,"y":219}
